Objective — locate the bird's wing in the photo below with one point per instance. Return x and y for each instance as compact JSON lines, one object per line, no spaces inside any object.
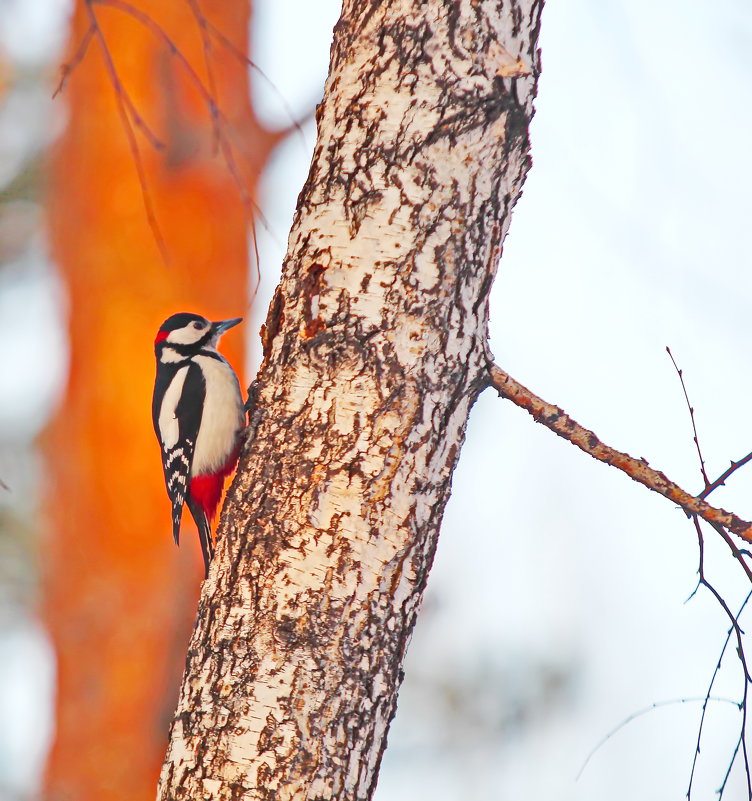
{"x":177,"y":417}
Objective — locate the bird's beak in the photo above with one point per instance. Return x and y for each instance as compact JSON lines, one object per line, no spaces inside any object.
{"x":219,"y":328}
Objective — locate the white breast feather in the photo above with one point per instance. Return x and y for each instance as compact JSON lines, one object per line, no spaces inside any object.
{"x":222,"y":417}
{"x":169,"y":427}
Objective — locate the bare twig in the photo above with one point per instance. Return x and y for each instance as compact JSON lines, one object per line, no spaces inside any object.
{"x":95,"y":31}
{"x":722,"y":789}
{"x":131,"y":117}
{"x":735,"y":629}
{"x":721,"y":480}
{"x":708,"y":486}
{"x":639,"y":714}
{"x":78,"y":57}
{"x":680,"y":373}
{"x":738,"y":554}
{"x":219,"y":122}
{"x":202,"y":22}
{"x":125,"y":106}
{"x":207,"y":28}
{"x":742,"y":704}
{"x":558,"y":421}
{"x":295,"y":124}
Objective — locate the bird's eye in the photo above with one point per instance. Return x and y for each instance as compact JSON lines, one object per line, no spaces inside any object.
{"x":197,"y":324}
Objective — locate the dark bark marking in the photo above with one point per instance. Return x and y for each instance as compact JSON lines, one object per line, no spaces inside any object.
{"x":275,"y":319}
{"x":476,"y":110}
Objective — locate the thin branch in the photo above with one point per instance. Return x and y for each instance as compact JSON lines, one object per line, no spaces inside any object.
{"x":721,"y":480}
{"x":708,"y":486}
{"x":701,"y":546}
{"x":131,"y":117}
{"x":218,"y":119}
{"x":203,"y":26}
{"x":639,"y":714}
{"x":295,"y":124}
{"x":736,"y":629}
{"x":558,"y":421}
{"x":207,"y":29}
{"x":738,"y":554}
{"x":256,"y":261}
{"x":722,"y":789}
{"x":680,"y":373}
{"x":124,"y":104}
{"x":67,"y":69}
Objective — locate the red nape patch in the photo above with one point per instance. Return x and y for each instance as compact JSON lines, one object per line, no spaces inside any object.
{"x":161,"y":335}
{"x":206,"y":491}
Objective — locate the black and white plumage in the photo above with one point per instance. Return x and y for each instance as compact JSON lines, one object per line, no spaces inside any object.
{"x":198,"y":416}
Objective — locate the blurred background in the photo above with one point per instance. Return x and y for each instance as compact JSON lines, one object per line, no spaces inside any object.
{"x":557,"y":606}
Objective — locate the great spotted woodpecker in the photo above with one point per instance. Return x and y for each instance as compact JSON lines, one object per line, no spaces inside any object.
{"x":198,"y":416}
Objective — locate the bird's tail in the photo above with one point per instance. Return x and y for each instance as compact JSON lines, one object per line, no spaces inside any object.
{"x":204,"y":533}
{"x":177,"y":513}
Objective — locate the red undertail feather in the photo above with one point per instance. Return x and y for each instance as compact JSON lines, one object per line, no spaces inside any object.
{"x":206,"y":489}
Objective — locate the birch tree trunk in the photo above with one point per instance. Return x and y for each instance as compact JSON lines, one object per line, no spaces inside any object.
{"x":375,"y":350}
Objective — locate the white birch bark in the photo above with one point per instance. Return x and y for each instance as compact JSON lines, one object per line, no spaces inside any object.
{"x":375,"y":350}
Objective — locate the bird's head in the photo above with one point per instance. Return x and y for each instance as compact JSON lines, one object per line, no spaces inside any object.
{"x":184,"y":334}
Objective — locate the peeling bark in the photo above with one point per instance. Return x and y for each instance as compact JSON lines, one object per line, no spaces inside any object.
{"x":375,"y":350}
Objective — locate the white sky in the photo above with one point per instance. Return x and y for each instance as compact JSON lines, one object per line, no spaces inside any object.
{"x":633,"y":233}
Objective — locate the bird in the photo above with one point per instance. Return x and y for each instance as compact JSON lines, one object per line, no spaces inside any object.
{"x":198,"y":417}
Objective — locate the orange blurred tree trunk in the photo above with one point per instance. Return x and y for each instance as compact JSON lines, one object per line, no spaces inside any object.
{"x":119,"y":597}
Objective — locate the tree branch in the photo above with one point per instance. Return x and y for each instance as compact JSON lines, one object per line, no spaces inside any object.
{"x":562,"y":424}
{"x":296,"y":123}
{"x":695,"y":437}
{"x":721,"y":480}
{"x":129,"y":117}
{"x":78,"y":57}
